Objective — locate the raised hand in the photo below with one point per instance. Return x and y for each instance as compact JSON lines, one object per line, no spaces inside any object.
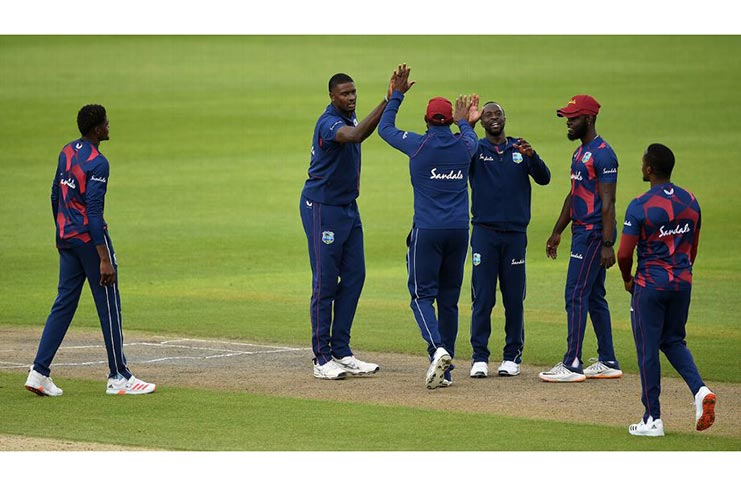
{"x":474,"y":113}
{"x":400,"y":79}
{"x":462,"y":107}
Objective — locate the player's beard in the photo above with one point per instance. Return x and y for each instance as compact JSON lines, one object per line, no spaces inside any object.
{"x":577,"y":133}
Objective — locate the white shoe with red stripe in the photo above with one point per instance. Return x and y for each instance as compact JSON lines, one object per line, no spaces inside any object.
{"x":131,"y":386}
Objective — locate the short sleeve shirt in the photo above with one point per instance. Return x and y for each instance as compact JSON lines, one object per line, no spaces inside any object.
{"x":592,"y":163}
{"x":665,"y":219}
{"x":334,"y":170}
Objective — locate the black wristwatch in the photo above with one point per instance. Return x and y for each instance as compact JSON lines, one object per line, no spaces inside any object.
{"x":608,"y":244}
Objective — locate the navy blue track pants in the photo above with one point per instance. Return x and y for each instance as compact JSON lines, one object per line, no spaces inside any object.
{"x":75,"y":266}
{"x":658,"y":319}
{"x":585,"y":294}
{"x":497,"y":256}
{"x":435,"y":263}
{"x":336,"y":255}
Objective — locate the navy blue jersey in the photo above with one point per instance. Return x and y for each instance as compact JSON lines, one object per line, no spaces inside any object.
{"x":78,"y":195}
{"x":439,"y":162}
{"x":592,"y":163}
{"x":334,"y":171}
{"x":500,"y":185}
{"x":664,"y":221}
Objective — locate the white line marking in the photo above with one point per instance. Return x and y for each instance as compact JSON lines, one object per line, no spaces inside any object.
{"x":220,"y":351}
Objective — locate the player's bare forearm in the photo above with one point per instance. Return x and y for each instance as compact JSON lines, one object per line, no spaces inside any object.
{"x":551,"y":246}
{"x":364,"y":129}
{"x":565,"y":217}
{"x":107,"y":272}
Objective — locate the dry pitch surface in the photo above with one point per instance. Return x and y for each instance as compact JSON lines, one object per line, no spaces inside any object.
{"x":286,"y":371}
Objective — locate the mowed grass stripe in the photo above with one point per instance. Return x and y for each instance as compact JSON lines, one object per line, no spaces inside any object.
{"x":187,"y":419}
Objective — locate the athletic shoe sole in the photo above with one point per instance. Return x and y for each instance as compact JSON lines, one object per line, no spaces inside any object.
{"x":647,"y":433}
{"x":708,"y":412}
{"x":480,"y":374}
{"x":606,"y":375}
{"x":550,"y":379}
{"x":341,"y":376}
{"x":130,"y":392}
{"x":39,"y":391}
{"x":352,"y":372}
{"x":435,"y":380}
{"x":507,"y":373}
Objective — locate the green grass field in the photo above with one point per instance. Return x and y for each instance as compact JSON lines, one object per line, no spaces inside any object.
{"x":209,"y":148}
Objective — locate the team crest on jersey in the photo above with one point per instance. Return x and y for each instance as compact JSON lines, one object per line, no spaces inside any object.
{"x":516,"y":157}
{"x":586,"y":157}
{"x":476,"y":259}
{"x":328,"y":237}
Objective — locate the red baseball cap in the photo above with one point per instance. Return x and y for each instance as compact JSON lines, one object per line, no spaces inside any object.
{"x":579,"y":105}
{"x":439,"y":111}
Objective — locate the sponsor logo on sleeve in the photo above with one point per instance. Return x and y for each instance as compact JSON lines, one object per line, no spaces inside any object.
{"x":98,"y":179}
{"x":576,"y":176}
{"x":578,"y":256}
{"x":609,"y":171}
{"x":521,"y":261}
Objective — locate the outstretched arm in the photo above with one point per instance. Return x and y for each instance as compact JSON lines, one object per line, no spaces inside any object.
{"x":400,"y":140}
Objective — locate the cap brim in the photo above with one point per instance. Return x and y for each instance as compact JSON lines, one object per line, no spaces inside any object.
{"x":564,"y":112}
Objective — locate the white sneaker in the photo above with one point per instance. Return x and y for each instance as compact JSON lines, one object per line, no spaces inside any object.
{"x":130,"y":386}
{"x":652,"y":428}
{"x":329,"y":371}
{"x":704,"y":408}
{"x":601,"y":370}
{"x":435,"y":376}
{"x":508,"y":368}
{"x":355,"y":367}
{"x":42,"y":385}
{"x":561,"y":374}
{"x":479,"y":369}
{"x":446,"y":383}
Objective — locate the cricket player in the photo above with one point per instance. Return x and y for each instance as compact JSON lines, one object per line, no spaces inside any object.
{"x":500,"y":207}
{"x":664,"y":225}
{"x":85,"y":253}
{"x":334,"y":231}
{"x":590,"y":209}
{"x":437,"y":244}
